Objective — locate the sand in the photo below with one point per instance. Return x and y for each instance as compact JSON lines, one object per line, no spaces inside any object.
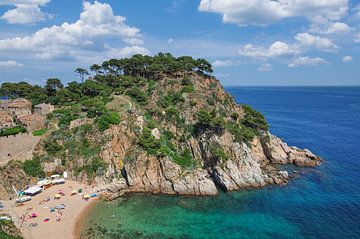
{"x":67,"y":227}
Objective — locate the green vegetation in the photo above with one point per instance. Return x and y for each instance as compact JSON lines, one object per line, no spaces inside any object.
{"x":171,"y":99}
{"x":7,"y":224}
{"x":254,"y":119}
{"x":94,"y":167}
{"x":64,"y":117}
{"x":209,"y":121}
{"x":3,"y":235}
{"x":138,"y":95}
{"x":164,"y":147}
{"x":253,"y":124}
{"x":185,"y":159}
{"x":40,"y":132}
{"x":162,"y":88}
{"x":105,"y":120}
{"x":12,"y":131}
{"x":33,"y":168}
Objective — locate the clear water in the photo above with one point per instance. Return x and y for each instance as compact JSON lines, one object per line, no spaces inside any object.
{"x":323,"y":202}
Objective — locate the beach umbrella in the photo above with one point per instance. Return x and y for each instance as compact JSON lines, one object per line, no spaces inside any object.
{"x":73,"y":193}
{"x":57,"y":196}
{"x":86,"y":196}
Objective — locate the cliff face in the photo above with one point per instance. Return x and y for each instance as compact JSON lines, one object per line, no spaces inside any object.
{"x":233,"y":165}
{"x":248,"y":168}
{"x":158,"y":124}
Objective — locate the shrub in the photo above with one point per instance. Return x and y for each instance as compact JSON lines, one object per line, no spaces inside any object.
{"x":171,"y":99}
{"x":219,"y":153}
{"x":254,"y":119}
{"x":151,"y":87}
{"x":185,"y":159}
{"x":52,"y":147}
{"x":188,"y":89}
{"x":95,"y":166}
{"x":33,"y":168}
{"x":110,"y":118}
{"x":65,"y":116}
{"x":148,"y":142}
{"x":138,"y":95}
{"x":186,"y":81}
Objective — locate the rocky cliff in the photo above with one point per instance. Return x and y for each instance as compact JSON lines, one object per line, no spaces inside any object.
{"x":162,"y":125}
{"x":220,"y":160}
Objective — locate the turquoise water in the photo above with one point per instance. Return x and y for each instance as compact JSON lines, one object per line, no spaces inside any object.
{"x":323,"y":202}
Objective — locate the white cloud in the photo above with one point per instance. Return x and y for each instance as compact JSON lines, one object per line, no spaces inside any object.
{"x":308,"y":40}
{"x":24,"y":14}
{"x":266,"y":67}
{"x":170,"y":40}
{"x":347,"y":59}
{"x":14,"y":2}
{"x":357,"y":38}
{"x":307,"y":61}
{"x":86,"y":36}
{"x":263,"y":12}
{"x":10,"y":64}
{"x":277,"y":49}
{"x":338,"y":28}
{"x":25,"y":11}
{"x":225,"y":63}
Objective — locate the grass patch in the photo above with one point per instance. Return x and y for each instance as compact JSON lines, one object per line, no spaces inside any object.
{"x":40,"y":132}
{"x":12,"y":131}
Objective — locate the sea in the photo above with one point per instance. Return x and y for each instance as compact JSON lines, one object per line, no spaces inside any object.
{"x":321,"y":202}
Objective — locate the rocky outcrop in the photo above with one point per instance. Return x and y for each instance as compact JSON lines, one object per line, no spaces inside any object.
{"x":149,"y":174}
{"x":249,"y":167}
{"x":280,"y":153}
{"x":11,"y":175}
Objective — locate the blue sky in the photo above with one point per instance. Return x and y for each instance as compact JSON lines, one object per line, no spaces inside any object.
{"x":249,"y":42}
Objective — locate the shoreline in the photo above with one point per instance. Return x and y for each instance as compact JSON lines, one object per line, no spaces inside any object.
{"x":50,"y":223}
{"x":80,"y":219}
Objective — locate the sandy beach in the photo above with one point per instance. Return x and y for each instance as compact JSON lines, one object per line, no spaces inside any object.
{"x":66,"y":227}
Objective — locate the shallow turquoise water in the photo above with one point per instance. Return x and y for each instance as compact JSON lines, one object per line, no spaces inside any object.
{"x":322,"y":202}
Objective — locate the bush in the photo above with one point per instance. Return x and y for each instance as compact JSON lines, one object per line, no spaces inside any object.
{"x":254,"y":119}
{"x":186,"y":81}
{"x":65,"y":116}
{"x":39,"y":132}
{"x":148,"y":142}
{"x":33,"y":168}
{"x":185,"y":160}
{"x":138,"y":95}
{"x":52,"y":147}
{"x":219,"y":153}
{"x":104,"y":121}
{"x":12,"y":131}
{"x":95,"y":166}
{"x":151,"y":87}
{"x":188,"y":89}
{"x":171,"y":99}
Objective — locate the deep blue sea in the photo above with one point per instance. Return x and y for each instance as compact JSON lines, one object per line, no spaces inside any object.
{"x":323,"y":202}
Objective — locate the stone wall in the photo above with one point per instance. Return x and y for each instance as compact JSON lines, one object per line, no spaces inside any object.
{"x":17,"y":147}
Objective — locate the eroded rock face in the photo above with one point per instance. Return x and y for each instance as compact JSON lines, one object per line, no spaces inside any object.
{"x":248,"y":167}
{"x":149,"y":174}
{"x":11,"y":175}
{"x":279,"y":152}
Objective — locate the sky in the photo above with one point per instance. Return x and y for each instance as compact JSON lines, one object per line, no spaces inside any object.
{"x":249,"y":42}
